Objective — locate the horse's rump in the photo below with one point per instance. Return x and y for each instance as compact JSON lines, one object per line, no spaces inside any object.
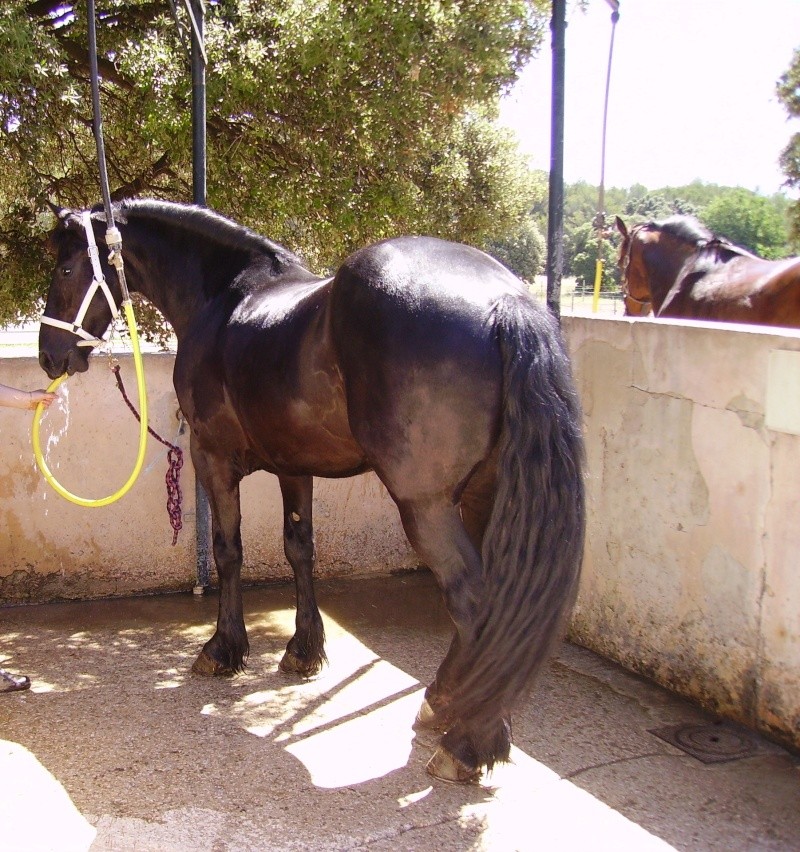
{"x":411,"y":324}
{"x":736,"y":288}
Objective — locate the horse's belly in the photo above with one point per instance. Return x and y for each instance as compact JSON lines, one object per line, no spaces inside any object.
{"x":302,"y":439}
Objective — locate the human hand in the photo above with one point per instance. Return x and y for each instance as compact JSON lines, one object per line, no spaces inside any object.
{"x":38,"y":396}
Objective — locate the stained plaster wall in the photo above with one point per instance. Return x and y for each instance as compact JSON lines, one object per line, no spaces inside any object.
{"x":691,"y":569}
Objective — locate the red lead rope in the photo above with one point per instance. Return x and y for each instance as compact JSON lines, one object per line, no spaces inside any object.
{"x":175,"y":459}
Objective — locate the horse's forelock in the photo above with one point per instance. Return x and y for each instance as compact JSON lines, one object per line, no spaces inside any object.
{"x":68,"y":225}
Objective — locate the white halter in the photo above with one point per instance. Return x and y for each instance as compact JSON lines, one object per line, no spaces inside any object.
{"x":98,"y":282}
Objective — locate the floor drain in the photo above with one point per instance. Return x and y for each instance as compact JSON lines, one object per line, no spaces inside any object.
{"x":716,"y":742}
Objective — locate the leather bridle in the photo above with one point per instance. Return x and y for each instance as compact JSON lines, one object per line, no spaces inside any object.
{"x":624,"y":263}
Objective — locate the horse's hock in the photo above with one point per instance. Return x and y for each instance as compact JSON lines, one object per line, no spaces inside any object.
{"x":690,"y":576}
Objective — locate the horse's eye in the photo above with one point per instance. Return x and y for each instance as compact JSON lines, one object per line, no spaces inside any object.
{"x":66,"y":270}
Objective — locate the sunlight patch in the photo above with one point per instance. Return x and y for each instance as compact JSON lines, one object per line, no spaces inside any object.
{"x":379,"y":681}
{"x":413,"y":798}
{"x":369,"y":746}
{"x":350,"y":723}
{"x":533,"y":808}
{"x":36,"y":813}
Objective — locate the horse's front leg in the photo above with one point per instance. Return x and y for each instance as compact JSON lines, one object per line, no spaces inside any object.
{"x":305,"y":652}
{"x":226,"y":652}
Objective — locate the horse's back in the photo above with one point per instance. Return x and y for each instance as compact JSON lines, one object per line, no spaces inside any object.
{"x":420,"y":267}
{"x":746,"y":289}
{"x":419,"y":295}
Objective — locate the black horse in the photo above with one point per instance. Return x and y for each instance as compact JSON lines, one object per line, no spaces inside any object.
{"x":423,"y":360}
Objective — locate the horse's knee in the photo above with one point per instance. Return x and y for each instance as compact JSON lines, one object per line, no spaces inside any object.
{"x":227,"y":553}
{"x":298,"y":542}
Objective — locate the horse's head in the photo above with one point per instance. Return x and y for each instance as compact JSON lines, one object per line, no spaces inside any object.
{"x":76,"y":315}
{"x":633,"y":274}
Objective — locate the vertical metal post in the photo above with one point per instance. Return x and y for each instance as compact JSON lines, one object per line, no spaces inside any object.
{"x":198,"y":103}
{"x":197,"y":10}
{"x":555,"y":204}
{"x":600,"y":219}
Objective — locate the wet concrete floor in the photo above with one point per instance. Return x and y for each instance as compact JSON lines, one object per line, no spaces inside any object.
{"x":118,"y":747}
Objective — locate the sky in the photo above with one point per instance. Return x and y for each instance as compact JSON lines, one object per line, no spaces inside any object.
{"x":692,"y":93}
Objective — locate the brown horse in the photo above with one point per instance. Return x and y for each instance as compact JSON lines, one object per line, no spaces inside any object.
{"x":678,"y":268}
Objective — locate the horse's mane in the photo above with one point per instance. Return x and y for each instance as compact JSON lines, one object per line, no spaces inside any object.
{"x":205,"y":223}
{"x":690,"y":230}
{"x":685,"y":228}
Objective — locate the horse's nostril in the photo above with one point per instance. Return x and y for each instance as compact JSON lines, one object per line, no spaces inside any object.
{"x":46,"y":363}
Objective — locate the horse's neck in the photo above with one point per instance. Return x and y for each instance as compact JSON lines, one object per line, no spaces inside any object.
{"x":168,"y":273}
{"x":664,"y":266}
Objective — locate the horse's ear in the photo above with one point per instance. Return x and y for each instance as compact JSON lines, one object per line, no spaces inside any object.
{"x":66,"y":220}
{"x":621,"y":227}
{"x":62,"y":214}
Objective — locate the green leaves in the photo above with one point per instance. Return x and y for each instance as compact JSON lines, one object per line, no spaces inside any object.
{"x":331,"y":123}
{"x":789,"y":94}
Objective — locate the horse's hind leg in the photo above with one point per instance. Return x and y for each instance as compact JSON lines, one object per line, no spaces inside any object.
{"x":305,"y":652}
{"x":475,"y":506}
{"x":438,"y":534}
{"x":227,"y":650}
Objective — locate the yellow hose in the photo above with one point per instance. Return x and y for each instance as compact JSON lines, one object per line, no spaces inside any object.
{"x":37,"y":416}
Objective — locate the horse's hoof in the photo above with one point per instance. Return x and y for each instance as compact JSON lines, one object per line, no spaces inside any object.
{"x":429,"y":719}
{"x":207,"y":666}
{"x":294,"y":665}
{"x":426,"y":716}
{"x":446,"y":767}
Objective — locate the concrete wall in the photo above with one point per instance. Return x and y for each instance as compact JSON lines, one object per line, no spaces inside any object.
{"x":52,"y":549}
{"x":691,"y":573}
{"x":691,"y":564}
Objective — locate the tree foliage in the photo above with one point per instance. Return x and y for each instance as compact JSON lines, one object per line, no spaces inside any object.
{"x":584,"y":261}
{"x":330,"y":124}
{"x":750,"y":221}
{"x":522,"y":250}
{"x":789,"y":95}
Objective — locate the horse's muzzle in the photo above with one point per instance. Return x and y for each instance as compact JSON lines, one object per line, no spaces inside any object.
{"x":74,"y":361}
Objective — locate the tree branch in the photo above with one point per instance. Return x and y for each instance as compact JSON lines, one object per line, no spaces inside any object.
{"x":80,"y":57}
{"x":144,"y":180}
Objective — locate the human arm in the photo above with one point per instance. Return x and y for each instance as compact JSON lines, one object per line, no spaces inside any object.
{"x":16,"y":398}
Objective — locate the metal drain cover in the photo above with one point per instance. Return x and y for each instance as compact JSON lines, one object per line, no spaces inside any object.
{"x":715,"y":742}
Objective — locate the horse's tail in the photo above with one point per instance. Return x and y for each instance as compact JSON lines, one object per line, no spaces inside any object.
{"x":533,"y":544}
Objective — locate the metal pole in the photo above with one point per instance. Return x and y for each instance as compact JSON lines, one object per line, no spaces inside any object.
{"x":600,"y":219}
{"x":202,"y":508}
{"x":555,"y":205}
{"x":198,"y":104}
